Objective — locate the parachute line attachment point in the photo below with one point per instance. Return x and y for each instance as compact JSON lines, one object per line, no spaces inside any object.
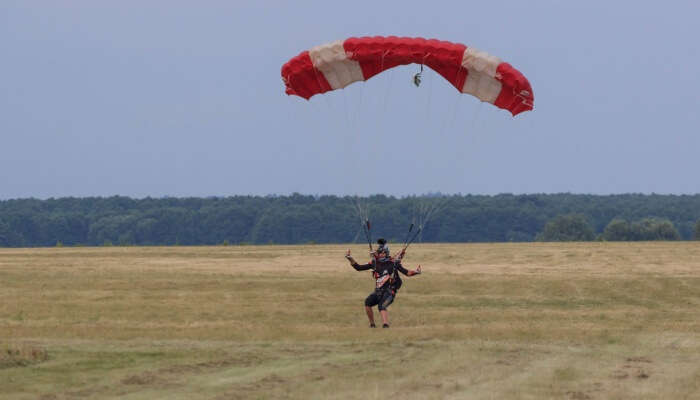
{"x":417,"y":77}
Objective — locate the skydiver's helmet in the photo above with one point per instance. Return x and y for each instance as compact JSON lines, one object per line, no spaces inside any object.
{"x":382,"y":249}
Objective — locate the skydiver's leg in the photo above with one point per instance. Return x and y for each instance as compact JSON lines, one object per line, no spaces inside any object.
{"x":371,"y":301}
{"x":370,"y":315}
{"x":385,"y":318}
{"x":387,"y":299}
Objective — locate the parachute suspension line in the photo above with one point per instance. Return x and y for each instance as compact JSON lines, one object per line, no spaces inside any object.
{"x":358,"y":208}
{"x":356,"y":117}
{"x":433,"y":208}
{"x":408,"y":234}
{"x":382,"y":116}
{"x":475,"y":117}
{"x":426,"y":210}
{"x":388,"y":89}
{"x":345,"y":106}
{"x":430,"y":93}
{"x":408,"y":241}
{"x":427,"y":126}
{"x":318,"y":81}
{"x":381,"y":62}
{"x":405,"y":240}
{"x":357,"y":235}
{"x":422,"y":219}
{"x":315,"y":122}
{"x":454,"y":111}
{"x":363,"y":214}
{"x":355,"y":203}
{"x":448,"y":123}
{"x":472,"y":131}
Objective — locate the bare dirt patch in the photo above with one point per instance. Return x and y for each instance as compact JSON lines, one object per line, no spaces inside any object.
{"x":21,"y":355}
{"x":578,"y":395}
{"x":147,"y":378}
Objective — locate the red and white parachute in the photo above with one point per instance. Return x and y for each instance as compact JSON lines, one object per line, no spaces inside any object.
{"x":335,"y":65}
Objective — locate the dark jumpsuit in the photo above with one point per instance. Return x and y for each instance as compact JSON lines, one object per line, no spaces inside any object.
{"x":384,"y":272}
{"x":397,"y":278}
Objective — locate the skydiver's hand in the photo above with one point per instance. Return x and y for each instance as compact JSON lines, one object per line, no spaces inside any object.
{"x":347,"y":255}
{"x":418,"y":272}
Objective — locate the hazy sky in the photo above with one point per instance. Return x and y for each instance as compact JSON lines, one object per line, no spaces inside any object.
{"x":184,"y":98}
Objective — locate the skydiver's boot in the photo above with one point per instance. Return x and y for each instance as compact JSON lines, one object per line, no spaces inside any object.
{"x":385,"y":326}
{"x":372,"y":325}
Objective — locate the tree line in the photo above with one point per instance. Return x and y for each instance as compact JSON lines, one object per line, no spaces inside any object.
{"x":294,"y":219}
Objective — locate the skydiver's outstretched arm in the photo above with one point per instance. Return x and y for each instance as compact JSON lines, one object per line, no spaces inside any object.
{"x":407,"y":272}
{"x":354,"y":264}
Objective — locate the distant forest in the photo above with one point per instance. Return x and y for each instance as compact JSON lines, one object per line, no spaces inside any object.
{"x":297,"y":219}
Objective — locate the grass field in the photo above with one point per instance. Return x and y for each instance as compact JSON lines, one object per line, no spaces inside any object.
{"x":484,"y":321}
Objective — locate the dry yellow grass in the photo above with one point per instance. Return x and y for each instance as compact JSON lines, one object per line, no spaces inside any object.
{"x":484,"y":321}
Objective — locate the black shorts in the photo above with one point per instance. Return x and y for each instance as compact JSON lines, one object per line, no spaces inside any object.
{"x":383,"y":298}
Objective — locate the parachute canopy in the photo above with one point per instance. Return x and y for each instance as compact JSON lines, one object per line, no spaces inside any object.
{"x":335,"y":65}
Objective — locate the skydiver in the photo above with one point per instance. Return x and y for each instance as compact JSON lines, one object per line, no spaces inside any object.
{"x":384,"y":269}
